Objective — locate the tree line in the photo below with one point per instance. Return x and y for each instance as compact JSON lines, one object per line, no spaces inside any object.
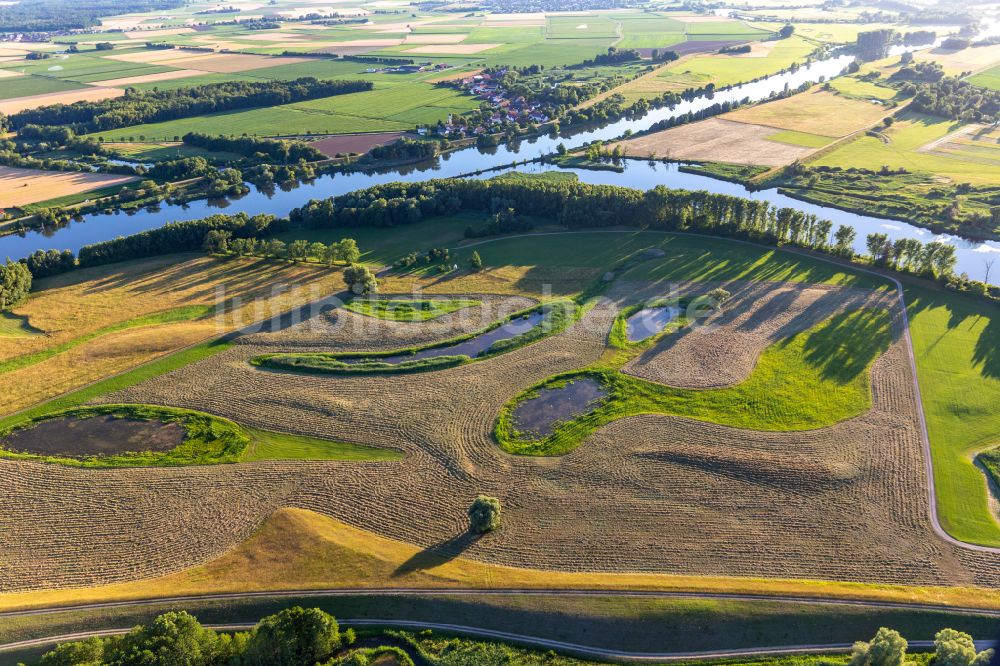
{"x":572,"y":204}
{"x":138,"y":107}
{"x":579,"y":205}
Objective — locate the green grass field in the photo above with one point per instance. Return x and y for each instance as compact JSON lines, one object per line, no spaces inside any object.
{"x":408,"y":310}
{"x":269,"y":445}
{"x":689,"y":258}
{"x":910,"y":133}
{"x":25,"y":86}
{"x":957,"y":345}
{"x":395,"y":107}
{"x":987,"y":79}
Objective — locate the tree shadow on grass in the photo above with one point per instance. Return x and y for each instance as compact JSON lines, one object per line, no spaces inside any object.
{"x":438,"y":554}
{"x":986,"y":353}
{"x":843,"y":347}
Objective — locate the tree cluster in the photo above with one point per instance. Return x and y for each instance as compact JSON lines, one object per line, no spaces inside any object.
{"x":405,"y":149}
{"x":138,"y":107}
{"x":274,"y":151}
{"x":908,"y":254}
{"x":293,"y":637}
{"x":184,"y":236}
{"x":15,"y":284}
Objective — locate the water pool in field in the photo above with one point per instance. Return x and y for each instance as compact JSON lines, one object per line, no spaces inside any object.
{"x":538,"y":417}
{"x":95,"y":436}
{"x":472,"y":347}
{"x":649,"y":321}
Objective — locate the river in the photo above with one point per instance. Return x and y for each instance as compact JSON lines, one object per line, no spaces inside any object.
{"x":972,"y":256}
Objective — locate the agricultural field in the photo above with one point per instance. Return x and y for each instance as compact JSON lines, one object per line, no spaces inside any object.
{"x":19,"y":187}
{"x":814,"y":112}
{"x":717,"y":140}
{"x":679,"y":393}
{"x":97,"y":323}
{"x":460,"y":405}
{"x":920,"y":143}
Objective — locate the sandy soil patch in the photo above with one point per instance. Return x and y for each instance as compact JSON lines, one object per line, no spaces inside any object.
{"x":815,"y":112}
{"x":716,"y":140}
{"x":150,"y":78}
{"x":153,"y":34}
{"x":726,"y":349}
{"x":453,"y":49}
{"x":434,"y":39}
{"x":8,"y":74}
{"x":353,"y":143}
{"x":230,"y":63}
{"x":25,"y":186}
{"x":9,"y":106}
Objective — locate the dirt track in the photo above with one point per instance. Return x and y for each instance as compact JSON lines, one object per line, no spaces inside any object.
{"x":650,"y":493}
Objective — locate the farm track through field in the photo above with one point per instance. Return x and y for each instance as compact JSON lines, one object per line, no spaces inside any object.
{"x":798,"y":520}
{"x":520,"y":639}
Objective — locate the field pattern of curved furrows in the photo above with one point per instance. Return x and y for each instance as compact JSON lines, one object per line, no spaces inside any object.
{"x":723,"y":349}
{"x":648,"y":493}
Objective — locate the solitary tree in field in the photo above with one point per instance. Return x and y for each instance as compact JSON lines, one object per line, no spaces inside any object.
{"x":786,"y":31}
{"x":475,"y":261}
{"x":484,"y":514}
{"x":360,"y":280}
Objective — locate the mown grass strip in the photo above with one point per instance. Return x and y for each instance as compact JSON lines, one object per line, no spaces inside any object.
{"x":811,"y":380}
{"x":270,"y":445}
{"x":175,"y":315}
{"x":408,"y":310}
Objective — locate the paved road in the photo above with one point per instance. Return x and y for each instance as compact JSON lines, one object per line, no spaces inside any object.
{"x":543,"y":643}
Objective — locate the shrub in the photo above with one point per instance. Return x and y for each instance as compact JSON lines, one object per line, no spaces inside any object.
{"x":484,"y":514}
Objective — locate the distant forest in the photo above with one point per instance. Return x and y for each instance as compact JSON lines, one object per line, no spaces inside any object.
{"x":56,"y":15}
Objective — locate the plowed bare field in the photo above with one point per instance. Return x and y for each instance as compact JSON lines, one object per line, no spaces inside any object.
{"x":647,"y":493}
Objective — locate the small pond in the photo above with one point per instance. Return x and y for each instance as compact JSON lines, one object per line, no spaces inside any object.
{"x":649,"y":321}
{"x":472,"y":347}
{"x":538,"y":417}
{"x":95,"y":436}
